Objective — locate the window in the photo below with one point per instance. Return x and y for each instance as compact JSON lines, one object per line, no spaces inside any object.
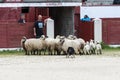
{"x":25,"y":9}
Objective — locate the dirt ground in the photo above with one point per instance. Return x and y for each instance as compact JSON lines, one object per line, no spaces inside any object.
{"x":59,"y":68}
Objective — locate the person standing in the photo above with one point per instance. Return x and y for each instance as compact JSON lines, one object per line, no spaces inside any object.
{"x":38,"y":27}
{"x":86,"y":18}
{"x":22,"y":18}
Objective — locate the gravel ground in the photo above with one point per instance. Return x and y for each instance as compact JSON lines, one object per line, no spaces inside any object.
{"x":59,"y":68}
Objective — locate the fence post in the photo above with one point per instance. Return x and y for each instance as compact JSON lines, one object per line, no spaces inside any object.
{"x":98,"y":30}
{"x":50,"y":28}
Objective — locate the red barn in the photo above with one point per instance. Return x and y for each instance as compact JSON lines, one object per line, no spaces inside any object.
{"x":66,"y":15}
{"x":11,"y":31}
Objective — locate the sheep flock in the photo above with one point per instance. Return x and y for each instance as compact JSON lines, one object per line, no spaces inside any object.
{"x":60,"y":46}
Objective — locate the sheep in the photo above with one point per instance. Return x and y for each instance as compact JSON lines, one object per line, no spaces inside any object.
{"x":70,"y":43}
{"x":87,"y":48}
{"x":33,"y":44}
{"x":81,"y":43}
{"x":58,"y":37}
{"x":54,"y":45}
{"x":23,"y":40}
{"x":50,"y":43}
{"x":98,"y":48}
{"x":58,"y":46}
{"x":71,"y":37}
{"x":92,"y":46}
{"x":70,"y":52}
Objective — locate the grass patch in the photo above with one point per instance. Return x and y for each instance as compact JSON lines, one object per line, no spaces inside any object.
{"x":107,"y":51}
{"x":110,"y":51}
{"x":11,"y":52}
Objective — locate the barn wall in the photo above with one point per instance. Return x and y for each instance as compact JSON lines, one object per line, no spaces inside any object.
{"x":11,"y":31}
{"x":11,"y":34}
{"x":9,"y":14}
{"x":86,"y":30}
{"x":111,"y":30}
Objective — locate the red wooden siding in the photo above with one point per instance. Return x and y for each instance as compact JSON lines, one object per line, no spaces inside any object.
{"x":86,"y":30}
{"x":11,"y":31}
{"x":111,"y":30}
{"x":11,"y":34}
{"x":9,"y":14}
{"x":42,"y":11}
{"x":30,"y":16}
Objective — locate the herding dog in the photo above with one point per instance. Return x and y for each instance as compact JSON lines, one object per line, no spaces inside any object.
{"x":70,"y":52}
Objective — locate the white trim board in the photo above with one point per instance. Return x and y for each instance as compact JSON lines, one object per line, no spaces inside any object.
{"x":63,"y":4}
{"x":10,"y":49}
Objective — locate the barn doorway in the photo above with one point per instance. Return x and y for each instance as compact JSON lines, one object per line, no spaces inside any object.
{"x":64,"y":20}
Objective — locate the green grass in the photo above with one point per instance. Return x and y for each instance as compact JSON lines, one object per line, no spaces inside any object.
{"x":11,"y":52}
{"x":110,"y":51}
{"x":107,"y":51}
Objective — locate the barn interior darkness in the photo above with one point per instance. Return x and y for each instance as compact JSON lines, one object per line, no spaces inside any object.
{"x":63,"y":20}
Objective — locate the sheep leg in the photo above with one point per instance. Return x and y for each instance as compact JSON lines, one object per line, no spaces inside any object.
{"x":33,"y":52}
{"x":44,"y":51}
{"x":49,"y":51}
{"x":39,"y":52}
{"x":58,"y":52}
{"x":100,"y":51}
{"x":25,"y":52}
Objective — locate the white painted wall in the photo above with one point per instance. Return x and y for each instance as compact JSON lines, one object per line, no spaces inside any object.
{"x":100,"y":11}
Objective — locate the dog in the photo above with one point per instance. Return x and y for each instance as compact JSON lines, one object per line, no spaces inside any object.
{"x":70,"y":52}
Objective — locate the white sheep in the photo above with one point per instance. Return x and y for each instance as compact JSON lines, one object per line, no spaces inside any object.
{"x":92,"y":46}
{"x":33,"y":44}
{"x":50,"y":43}
{"x":81,"y":44}
{"x":98,"y":48}
{"x":87,"y":48}
{"x":71,"y":37}
{"x":66,"y":43}
{"x":22,"y":43}
{"x":58,"y":46}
